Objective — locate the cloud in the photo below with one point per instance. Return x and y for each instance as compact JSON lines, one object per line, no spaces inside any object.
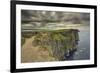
{"x":42,"y":18}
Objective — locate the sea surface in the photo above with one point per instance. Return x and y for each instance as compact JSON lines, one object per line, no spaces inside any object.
{"x":83,"y":50}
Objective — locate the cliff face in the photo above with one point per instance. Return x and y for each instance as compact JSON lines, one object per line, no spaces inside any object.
{"x":59,"y":41}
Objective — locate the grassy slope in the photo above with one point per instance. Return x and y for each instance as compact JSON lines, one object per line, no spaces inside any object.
{"x":35,"y":54}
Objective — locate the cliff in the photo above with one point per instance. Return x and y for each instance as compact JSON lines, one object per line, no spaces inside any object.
{"x":56,"y":42}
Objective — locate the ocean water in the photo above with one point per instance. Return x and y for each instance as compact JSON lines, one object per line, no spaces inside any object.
{"x":83,"y":50}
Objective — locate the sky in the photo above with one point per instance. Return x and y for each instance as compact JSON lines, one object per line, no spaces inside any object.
{"x":52,"y":19}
